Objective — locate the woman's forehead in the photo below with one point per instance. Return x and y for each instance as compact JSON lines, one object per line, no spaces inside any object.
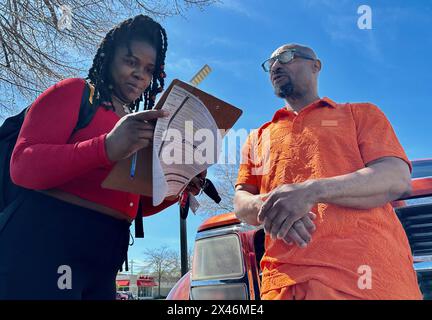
{"x":138,"y":49}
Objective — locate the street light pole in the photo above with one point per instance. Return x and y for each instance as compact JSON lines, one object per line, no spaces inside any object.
{"x":183,"y":246}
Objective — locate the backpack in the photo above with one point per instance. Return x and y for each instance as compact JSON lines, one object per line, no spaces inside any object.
{"x":10,"y":193}
{"x":9,"y":130}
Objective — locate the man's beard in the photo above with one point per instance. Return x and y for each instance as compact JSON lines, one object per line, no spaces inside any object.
{"x":285,"y":90}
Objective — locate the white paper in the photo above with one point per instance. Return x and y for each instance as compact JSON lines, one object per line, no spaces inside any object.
{"x":174,"y":161}
{"x":160,"y":186}
{"x":193,"y":203}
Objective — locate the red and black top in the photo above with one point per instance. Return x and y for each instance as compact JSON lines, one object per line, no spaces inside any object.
{"x":49,"y":155}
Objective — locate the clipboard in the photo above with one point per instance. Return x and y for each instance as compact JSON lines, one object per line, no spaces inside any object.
{"x":224,"y":114}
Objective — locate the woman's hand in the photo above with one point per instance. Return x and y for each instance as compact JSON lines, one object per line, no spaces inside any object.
{"x":132,"y":133}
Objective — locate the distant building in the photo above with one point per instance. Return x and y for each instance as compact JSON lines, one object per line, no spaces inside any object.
{"x":141,"y":286}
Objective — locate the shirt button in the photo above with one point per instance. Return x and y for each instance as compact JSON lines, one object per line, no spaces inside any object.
{"x":131,"y":204}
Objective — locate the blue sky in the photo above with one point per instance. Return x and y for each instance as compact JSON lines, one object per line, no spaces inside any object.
{"x":389,"y":65}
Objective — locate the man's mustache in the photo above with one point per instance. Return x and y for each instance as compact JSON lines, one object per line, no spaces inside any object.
{"x":278,"y":74}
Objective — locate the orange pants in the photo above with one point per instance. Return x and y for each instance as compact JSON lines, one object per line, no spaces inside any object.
{"x":310,"y":290}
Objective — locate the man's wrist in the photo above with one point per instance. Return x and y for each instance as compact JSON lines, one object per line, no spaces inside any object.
{"x":317,"y":190}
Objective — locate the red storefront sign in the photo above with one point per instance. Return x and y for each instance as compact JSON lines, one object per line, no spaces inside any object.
{"x":146,"y":281}
{"x":123,"y":283}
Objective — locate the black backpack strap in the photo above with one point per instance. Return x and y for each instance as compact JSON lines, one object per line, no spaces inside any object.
{"x":9,"y":131}
{"x":139,"y":228}
{"x":88,"y":107}
{"x":8,"y":210}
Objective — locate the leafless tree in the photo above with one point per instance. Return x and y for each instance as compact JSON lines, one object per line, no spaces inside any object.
{"x":176,"y":274}
{"x":43,"y":41}
{"x":163,"y":263}
{"x":225,"y":176}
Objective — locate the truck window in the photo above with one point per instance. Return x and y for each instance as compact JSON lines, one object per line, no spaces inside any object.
{"x":422,"y":169}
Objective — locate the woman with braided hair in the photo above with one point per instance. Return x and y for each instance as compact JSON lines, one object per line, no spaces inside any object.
{"x":69,"y":236}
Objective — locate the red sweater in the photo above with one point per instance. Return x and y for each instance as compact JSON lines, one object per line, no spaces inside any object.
{"x":47,"y":155}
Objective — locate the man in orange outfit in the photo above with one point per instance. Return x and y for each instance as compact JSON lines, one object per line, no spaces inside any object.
{"x":321,"y":189}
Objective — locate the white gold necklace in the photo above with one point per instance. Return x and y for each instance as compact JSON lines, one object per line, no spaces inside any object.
{"x":125,"y":106}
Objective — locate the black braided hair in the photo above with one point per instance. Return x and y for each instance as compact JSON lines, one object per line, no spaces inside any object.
{"x":138,"y":28}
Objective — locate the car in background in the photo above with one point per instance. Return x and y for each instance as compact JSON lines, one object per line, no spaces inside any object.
{"x":226,"y":260}
{"x":121,"y":296}
{"x":130,"y":295}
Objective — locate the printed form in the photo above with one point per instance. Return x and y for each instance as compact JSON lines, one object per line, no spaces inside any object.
{"x":185,"y":144}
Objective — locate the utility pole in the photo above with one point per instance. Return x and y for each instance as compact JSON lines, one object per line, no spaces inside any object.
{"x":183,"y":247}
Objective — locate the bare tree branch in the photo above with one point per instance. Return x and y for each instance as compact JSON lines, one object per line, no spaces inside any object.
{"x":163,"y":264}
{"x":35,"y":52}
{"x":224,"y":179}
{"x":52,"y":11}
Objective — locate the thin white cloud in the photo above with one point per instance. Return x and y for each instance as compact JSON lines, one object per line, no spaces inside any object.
{"x":343,"y":29}
{"x":221,"y":41}
{"x":239,"y":8}
{"x":234,"y":5}
{"x":226,"y":42}
{"x":332,"y":4}
{"x":340,"y":23}
{"x":183,"y":67}
{"x":238,"y":68}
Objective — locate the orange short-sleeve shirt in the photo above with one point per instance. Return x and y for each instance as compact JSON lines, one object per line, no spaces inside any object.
{"x":326,"y":139}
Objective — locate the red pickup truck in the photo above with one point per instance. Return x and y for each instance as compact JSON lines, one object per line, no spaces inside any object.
{"x":227,"y":252}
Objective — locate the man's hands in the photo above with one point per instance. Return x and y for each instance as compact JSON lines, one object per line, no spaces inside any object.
{"x":286,"y":213}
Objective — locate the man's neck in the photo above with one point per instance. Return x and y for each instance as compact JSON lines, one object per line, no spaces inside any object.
{"x":298,"y":103}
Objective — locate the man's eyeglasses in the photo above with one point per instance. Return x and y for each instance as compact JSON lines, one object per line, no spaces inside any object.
{"x":283,"y":57}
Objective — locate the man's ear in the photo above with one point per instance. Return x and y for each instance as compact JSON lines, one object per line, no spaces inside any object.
{"x":317,"y":65}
